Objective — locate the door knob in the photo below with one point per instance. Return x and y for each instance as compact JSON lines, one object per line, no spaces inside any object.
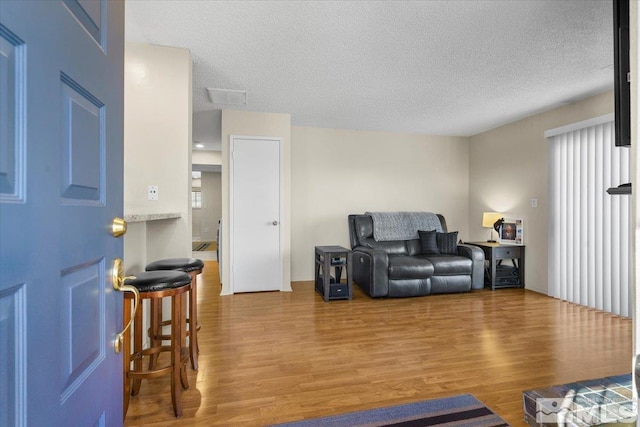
{"x":275,"y":223}
{"x":117,"y":280}
{"x":118,"y":227}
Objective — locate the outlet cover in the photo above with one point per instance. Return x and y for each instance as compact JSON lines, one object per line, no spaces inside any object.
{"x":153,"y":192}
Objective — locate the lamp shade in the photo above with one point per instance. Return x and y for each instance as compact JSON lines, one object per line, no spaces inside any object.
{"x":488,"y":218}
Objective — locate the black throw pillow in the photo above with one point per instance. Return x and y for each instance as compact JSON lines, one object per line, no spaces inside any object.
{"x":447,"y":242}
{"x":428,"y":243}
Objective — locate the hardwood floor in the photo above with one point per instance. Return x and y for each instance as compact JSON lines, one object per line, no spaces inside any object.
{"x":273,"y":357}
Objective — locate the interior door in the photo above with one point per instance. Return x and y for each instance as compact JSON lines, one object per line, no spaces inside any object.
{"x":61,"y":121}
{"x":256,"y":259}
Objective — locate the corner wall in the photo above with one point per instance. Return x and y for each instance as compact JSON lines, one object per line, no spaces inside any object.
{"x":509,"y":165}
{"x":157,"y":151}
{"x":336,"y":172}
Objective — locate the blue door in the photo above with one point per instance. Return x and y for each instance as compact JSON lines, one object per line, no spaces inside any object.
{"x":61,"y":131}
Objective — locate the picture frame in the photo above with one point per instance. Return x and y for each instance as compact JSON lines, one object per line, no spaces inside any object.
{"x":511,"y":231}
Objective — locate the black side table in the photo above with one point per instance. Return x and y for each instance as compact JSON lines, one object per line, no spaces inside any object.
{"x":494,"y":253}
{"x":331,"y":287}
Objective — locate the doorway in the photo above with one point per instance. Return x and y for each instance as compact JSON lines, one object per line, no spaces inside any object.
{"x":206,"y":210}
{"x":255,"y":214}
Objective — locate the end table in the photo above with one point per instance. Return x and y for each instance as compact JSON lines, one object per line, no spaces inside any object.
{"x":330,"y":287}
{"x":494,"y":253}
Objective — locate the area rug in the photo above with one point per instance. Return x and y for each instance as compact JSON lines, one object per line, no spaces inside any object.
{"x":203,"y":246}
{"x":462,"y":410}
{"x":583,"y":403}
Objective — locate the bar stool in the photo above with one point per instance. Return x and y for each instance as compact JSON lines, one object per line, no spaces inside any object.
{"x":154,"y":286}
{"x":193,"y":267}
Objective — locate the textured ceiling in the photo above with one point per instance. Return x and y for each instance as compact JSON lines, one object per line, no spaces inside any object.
{"x":434,"y":67}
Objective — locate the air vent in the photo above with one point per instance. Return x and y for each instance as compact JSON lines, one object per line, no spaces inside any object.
{"x":227,"y":96}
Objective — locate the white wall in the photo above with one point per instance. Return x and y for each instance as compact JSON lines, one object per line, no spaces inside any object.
{"x":157,"y":151}
{"x":336,"y":172}
{"x":257,"y":124}
{"x":509,"y":166}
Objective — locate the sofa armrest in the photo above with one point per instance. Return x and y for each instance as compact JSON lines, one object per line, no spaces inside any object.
{"x":476,"y":255}
{"x":370,"y":269}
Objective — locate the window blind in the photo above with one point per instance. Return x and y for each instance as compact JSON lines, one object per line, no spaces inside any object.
{"x":589,"y":230}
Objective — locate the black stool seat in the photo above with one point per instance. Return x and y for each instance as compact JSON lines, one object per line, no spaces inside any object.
{"x":182,"y":264}
{"x":151,"y":281}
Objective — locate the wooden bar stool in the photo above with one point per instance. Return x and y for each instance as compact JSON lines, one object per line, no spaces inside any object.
{"x":193,"y":267}
{"x":154,"y":286}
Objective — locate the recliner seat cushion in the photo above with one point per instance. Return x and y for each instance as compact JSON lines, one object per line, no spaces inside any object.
{"x":409,"y":288}
{"x":449,"y":265}
{"x":449,"y":284}
{"x":409,"y":267}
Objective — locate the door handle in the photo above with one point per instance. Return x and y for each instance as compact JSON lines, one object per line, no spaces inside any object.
{"x":275,"y":223}
{"x":117,"y":280}
{"x":118,"y":227}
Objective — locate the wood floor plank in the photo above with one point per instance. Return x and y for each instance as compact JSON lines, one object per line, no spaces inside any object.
{"x":274,"y":357}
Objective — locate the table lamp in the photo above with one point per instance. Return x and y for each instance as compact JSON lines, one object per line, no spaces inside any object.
{"x":488,"y":219}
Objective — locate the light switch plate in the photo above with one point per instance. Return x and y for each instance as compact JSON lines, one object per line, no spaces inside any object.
{"x":534,"y":203}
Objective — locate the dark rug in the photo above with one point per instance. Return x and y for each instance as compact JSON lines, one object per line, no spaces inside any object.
{"x":203,"y":246}
{"x":463,"y":410}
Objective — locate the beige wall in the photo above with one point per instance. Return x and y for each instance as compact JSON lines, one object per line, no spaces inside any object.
{"x":634,"y":13}
{"x":257,"y":124}
{"x":337,"y":172}
{"x":195,"y":224}
{"x":508,"y":166}
{"x":211,"y":211}
{"x":330,"y":173}
{"x":206,"y":157}
{"x":157,"y":151}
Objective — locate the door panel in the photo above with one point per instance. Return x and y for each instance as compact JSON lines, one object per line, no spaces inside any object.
{"x":255,"y":240}
{"x":12,"y":108}
{"x":82,"y":150}
{"x":61,"y":112}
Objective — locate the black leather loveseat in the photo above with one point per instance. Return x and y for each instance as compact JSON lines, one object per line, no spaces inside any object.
{"x":404,"y":268}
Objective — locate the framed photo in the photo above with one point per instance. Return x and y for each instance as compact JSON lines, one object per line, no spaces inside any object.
{"x":511,"y":231}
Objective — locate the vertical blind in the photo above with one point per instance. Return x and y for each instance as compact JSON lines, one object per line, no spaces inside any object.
{"x":589,"y":230}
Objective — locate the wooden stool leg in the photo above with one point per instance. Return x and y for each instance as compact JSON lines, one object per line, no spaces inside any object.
{"x":183,"y":345}
{"x":176,"y":349}
{"x":126,"y":356}
{"x":137,"y":348}
{"x":193,"y":321}
{"x":155,"y":307}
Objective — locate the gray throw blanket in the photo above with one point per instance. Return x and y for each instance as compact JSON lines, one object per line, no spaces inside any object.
{"x":402,"y":225}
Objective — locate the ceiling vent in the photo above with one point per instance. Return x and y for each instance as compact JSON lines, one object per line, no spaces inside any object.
{"x":227,"y":96}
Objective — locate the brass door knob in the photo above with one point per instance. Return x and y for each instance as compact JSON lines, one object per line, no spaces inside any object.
{"x":118,"y":227}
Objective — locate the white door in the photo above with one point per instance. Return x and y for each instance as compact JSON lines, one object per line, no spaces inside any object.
{"x":256,"y":258}
{"x":61,"y":168}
